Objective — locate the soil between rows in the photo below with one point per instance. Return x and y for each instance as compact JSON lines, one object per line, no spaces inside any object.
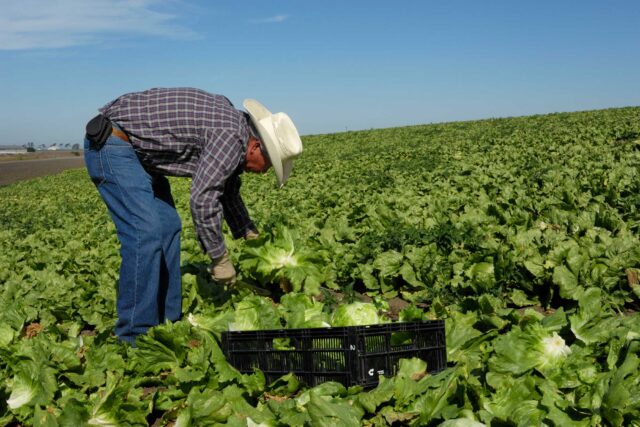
{"x":20,"y":167}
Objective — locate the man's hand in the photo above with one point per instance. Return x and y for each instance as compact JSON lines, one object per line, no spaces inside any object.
{"x":222,"y":270}
{"x":251,"y":235}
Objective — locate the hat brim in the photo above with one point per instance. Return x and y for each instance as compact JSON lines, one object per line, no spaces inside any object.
{"x":266,"y":135}
{"x":257,"y":111}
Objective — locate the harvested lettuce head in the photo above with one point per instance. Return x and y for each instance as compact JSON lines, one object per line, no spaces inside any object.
{"x":285,"y":262}
{"x":534,"y":347}
{"x":214,"y":322}
{"x":23,"y":391}
{"x":32,"y":384}
{"x":300,"y":311}
{"x":356,"y":314}
{"x":278,"y":258}
{"x":552,"y":349}
{"x":255,"y":313}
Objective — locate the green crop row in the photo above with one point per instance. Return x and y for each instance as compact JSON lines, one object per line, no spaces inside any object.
{"x":522,"y":233}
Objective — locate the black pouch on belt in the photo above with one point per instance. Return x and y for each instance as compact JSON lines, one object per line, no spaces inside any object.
{"x":98,"y":130}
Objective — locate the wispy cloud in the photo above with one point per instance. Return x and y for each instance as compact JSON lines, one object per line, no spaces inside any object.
{"x":47,"y":24}
{"x":270,"y":20}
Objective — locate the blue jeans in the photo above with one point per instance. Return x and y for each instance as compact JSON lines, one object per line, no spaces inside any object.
{"x":148,"y":228}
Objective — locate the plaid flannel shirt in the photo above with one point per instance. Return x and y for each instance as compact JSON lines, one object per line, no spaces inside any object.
{"x":189,"y":132}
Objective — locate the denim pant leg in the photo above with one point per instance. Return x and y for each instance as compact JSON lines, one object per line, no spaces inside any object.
{"x":148,"y":229}
{"x":170,"y":295}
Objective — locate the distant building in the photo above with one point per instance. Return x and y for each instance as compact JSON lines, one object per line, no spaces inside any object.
{"x":12,"y":149}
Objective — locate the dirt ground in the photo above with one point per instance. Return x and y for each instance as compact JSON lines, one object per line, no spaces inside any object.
{"x":20,"y":167}
{"x":38,"y":155}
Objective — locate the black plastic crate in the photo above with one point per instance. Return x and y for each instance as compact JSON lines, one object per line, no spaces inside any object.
{"x":354,"y":355}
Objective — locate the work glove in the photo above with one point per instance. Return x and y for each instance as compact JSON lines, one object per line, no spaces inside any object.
{"x":251,"y":235}
{"x":222,"y":270}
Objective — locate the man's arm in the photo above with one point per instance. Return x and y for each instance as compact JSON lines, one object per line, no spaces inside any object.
{"x":220,"y":157}
{"x":235,"y":212}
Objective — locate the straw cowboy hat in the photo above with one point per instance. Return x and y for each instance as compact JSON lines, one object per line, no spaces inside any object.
{"x":279,"y":135}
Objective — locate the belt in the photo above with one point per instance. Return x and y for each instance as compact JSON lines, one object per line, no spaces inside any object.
{"x":117,"y":132}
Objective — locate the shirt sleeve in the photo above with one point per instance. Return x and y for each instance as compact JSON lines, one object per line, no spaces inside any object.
{"x":221,"y":155}
{"x":235,"y":212}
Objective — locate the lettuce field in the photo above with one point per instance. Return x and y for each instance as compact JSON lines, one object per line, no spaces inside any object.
{"x":523,"y":234}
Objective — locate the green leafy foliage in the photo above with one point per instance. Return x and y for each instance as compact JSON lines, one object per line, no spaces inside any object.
{"x":523,"y":233}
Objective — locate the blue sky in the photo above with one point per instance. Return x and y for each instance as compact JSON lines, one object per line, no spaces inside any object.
{"x":331,"y":65}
